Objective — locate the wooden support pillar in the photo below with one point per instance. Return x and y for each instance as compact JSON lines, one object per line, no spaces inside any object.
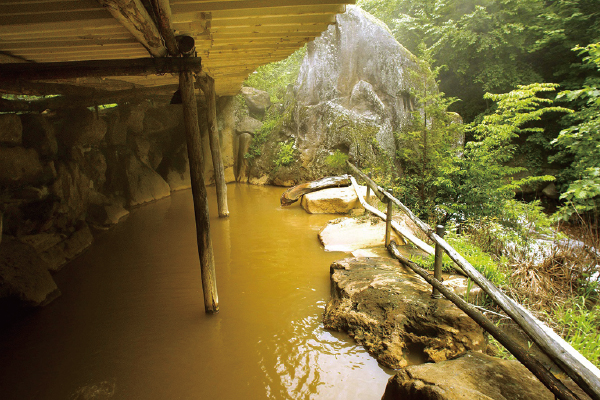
{"x":205,"y":249}
{"x":207,"y":84}
{"x":368,"y":196}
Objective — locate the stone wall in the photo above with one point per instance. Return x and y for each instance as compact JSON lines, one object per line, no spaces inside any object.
{"x":64,"y":175}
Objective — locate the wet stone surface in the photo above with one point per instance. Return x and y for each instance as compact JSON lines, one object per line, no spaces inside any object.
{"x":389,"y":310}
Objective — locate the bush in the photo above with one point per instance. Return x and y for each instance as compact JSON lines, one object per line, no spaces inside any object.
{"x":337,"y":160}
{"x":285,"y":155}
{"x":260,"y":137}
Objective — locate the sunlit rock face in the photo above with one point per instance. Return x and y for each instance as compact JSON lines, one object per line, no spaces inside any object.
{"x":389,"y":310}
{"x":353,"y":90}
{"x":469,"y":376}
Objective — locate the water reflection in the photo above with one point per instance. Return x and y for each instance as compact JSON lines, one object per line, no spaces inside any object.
{"x":131,"y":322}
{"x":303,"y":362}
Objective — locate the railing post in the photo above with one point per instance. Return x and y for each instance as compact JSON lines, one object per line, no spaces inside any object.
{"x":437,"y":265}
{"x":388,"y":221}
{"x":370,"y":175}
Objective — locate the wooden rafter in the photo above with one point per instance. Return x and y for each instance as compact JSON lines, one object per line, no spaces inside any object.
{"x":226,"y":32}
{"x":133,"y":16}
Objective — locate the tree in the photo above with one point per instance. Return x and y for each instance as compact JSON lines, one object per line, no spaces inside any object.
{"x":494,"y":45}
{"x":428,"y":142}
{"x":580,"y":142}
{"x":275,"y":77}
{"x":479,"y":182}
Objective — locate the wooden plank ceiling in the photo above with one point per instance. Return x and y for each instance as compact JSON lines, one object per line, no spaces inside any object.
{"x":233,"y":37}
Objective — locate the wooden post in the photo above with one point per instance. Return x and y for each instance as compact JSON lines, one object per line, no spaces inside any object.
{"x":437,"y":265}
{"x":207,"y":84}
{"x":205,"y":249}
{"x":368,"y":196}
{"x":402,"y":231}
{"x":388,"y":223}
{"x":521,"y":354}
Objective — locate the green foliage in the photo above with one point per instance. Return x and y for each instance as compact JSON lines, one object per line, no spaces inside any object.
{"x":493,"y":45}
{"x":285,"y":154}
{"x":479,"y":182}
{"x":581,"y":141}
{"x":580,"y":322}
{"x":428,"y":143}
{"x":513,"y":233}
{"x":337,"y":160}
{"x":478,"y":258}
{"x":271,"y":122}
{"x":274,"y":78}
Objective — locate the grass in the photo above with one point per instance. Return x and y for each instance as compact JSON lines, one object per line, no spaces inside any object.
{"x":479,"y":259}
{"x":579,"y":320}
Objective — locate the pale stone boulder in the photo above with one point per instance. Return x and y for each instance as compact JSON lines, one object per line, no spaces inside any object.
{"x":248,"y":125}
{"x":259,"y":181}
{"x":11,"y":129}
{"x":472,"y":376}
{"x":39,"y":134}
{"x":350,"y":234}
{"x":333,"y":200}
{"x":82,"y":128}
{"x":57,"y":249}
{"x":388,"y":309}
{"x":19,"y":166}
{"x":143,"y":183}
{"x":258,"y":101}
{"x":24,"y":275}
{"x":103,"y":216}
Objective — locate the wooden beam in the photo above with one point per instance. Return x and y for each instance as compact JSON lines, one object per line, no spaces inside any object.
{"x":273,"y":21}
{"x":93,"y":98}
{"x":207,"y":85}
{"x":189,"y":6}
{"x":51,"y":28}
{"x":133,"y":16}
{"x":44,"y":88}
{"x":59,"y":44}
{"x":162,"y":11}
{"x":194,"y":146}
{"x":64,"y":18}
{"x":36,"y":7}
{"x":283,"y":10}
{"x":78,"y":69}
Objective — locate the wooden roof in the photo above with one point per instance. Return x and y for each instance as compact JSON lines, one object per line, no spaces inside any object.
{"x":233,"y":37}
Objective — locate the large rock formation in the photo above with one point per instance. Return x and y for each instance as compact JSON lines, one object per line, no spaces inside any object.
{"x":352,"y":94}
{"x":354,"y":86}
{"x":389,"y":310}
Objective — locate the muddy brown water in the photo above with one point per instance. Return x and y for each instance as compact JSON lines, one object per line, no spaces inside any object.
{"x":130,"y":323}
